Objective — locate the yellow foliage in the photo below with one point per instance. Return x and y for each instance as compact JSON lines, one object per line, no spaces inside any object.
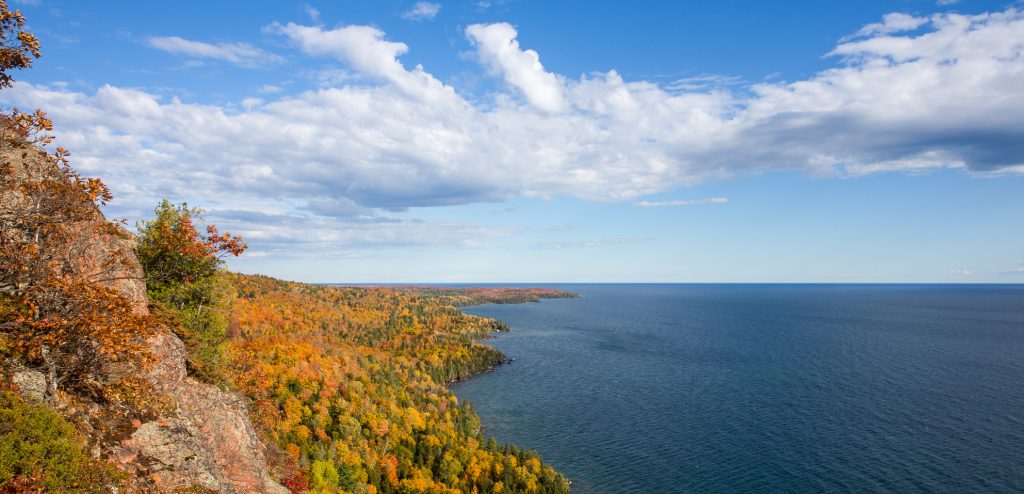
{"x":357,"y":377}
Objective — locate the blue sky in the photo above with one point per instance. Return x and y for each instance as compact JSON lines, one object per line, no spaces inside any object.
{"x":519,"y":141}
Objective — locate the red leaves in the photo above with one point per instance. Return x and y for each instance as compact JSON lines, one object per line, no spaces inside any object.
{"x":296,"y":482}
{"x":224,"y":243}
{"x":173,"y":233}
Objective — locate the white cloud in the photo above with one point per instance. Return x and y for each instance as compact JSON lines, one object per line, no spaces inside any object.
{"x":250,"y":103}
{"x":312,"y":12}
{"x":366,"y":50}
{"x":387,"y":138}
{"x":892,"y":23}
{"x":421,"y":11}
{"x":498,"y":48}
{"x":703,"y":82}
{"x":241,"y":54}
{"x":690,"y":202}
{"x":312,"y":236}
{"x":1018,"y":269}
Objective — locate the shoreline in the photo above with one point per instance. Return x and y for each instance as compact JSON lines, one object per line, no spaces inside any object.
{"x":506,"y":360}
{"x":504,"y":328}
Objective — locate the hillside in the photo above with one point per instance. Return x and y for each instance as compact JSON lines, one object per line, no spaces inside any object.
{"x":351,"y":381}
{"x":77,"y":338}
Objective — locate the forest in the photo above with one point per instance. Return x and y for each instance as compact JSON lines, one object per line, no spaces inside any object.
{"x":350,"y":384}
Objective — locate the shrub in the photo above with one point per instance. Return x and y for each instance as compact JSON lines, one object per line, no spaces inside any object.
{"x":40,"y":451}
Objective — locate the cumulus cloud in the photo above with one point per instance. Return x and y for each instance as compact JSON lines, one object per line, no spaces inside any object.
{"x":422,"y":11}
{"x":366,"y":50}
{"x":944,"y":94}
{"x":241,"y":54}
{"x":498,"y":48}
{"x":690,"y":202}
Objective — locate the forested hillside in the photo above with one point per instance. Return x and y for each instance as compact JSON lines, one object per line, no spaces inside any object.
{"x":350,"y":384}
{"x":347,"y":384}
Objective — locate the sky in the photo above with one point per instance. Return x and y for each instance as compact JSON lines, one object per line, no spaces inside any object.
{"x":531,"y":141}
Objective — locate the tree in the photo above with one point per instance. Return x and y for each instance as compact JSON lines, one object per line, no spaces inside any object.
{"x":174,"y":253}
{"x":18,"y":48}
{"x":58,"y":311}
{"x":58,"y":255}
{"x":181,"y":267}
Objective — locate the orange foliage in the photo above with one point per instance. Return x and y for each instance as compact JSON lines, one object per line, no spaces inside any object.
{"x":57,"y":312}
{"x":18,"y":48}
{"x":356,"y":377}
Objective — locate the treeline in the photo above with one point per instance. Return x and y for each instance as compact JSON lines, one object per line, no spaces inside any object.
{"x":465,"y":297}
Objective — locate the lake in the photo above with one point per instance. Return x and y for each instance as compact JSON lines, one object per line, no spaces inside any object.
{"x":769,"y":388}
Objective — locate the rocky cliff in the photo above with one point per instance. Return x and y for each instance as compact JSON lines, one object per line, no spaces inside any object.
{"x":200,"y":436}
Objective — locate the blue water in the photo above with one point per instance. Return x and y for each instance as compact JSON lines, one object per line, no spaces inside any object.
{"x":765,"y":388}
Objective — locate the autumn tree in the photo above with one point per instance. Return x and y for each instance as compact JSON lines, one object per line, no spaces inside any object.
{"x":18,"y":48}
{"x":57,"y":310}
{"x":59,"y":257}
{"x":182,"y":267}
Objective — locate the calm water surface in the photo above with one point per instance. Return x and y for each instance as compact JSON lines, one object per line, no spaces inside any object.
{"x":768,"y":388}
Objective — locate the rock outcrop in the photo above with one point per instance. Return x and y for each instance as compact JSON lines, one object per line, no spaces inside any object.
{"x":204,"y":437}
{"x":207,"y":441}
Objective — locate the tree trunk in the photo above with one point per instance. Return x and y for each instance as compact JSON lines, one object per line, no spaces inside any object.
{"x":51,"y":373}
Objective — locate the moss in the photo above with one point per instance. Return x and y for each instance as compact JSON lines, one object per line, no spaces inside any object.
{"x":39,"y":450}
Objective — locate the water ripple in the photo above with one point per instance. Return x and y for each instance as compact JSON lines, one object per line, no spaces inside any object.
{"x":761,"y":388}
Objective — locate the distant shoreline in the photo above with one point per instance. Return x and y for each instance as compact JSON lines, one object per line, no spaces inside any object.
{"x":505,"y":358}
